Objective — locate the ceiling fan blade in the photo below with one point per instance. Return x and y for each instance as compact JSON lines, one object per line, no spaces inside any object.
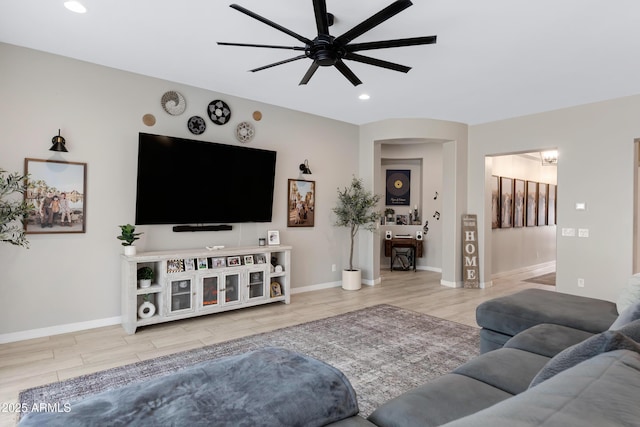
{"x":375,"y":20}
{"x":278,"y":63}
{"x":270,"y":23}
{"x":413,"y":41}
{"x":261,"y":45}
{"x":377,"y":62}
{"x":310,"y":72}
{"x":322,"y":19}
{"x":347,"y":73}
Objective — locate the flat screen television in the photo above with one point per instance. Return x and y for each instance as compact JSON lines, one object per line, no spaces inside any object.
{"x":183,"y":181}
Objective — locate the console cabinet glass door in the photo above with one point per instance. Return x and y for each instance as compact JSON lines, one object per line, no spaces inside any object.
{"x":210,"y":292}
{"x":256,"y":286}
{"x":180,"y":298}
{"x":231,"y":290}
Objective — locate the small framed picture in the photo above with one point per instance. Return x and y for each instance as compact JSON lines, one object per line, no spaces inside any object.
{"x":248,"y":259}
{"x":274,"y":237}
{"x":233,"y":261}
{"x":175,"y":266}
{"x":506,"y":202}
{"x":276,"y":290}
{"x":203,"y":263}
{"x":495,"y":201}
{"x":218,"y":262}
{"x":261,"y":259}
{"x":189,"y":264}
{"x":519,"y":203}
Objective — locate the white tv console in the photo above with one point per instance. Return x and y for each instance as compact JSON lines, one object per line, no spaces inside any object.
{"x":196,"y":282}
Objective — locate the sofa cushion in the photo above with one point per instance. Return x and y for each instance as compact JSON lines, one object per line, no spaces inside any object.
{"x":602,"y":391}
{"x":508,"y":369}
{"x":266,"y":387}
{"x":438,"y":401}
{"x":514,"y":313}
{"x":547,"y":339}
{"x":629,"y":314}
{"x":629,"y":294}
{"x":568,"y":358}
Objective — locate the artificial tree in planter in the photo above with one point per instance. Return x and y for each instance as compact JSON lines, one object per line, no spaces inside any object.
{"x":13,"y":211}
{"x":128,"y":236}
{"x":356,"y":209}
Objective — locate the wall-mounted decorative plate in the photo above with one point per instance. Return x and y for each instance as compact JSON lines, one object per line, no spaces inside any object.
{"x":196,"y":125}
{"x":245,"y":132}
{"x":173,"y":103}
{"x":219,"y":112}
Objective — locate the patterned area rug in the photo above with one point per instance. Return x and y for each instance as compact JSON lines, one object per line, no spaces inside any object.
{"x":383,"y":350}
{"x":548,"y":279}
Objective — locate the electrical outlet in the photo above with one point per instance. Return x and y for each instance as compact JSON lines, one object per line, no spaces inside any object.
{"x":580,"y":282}
{"x":333,"y":267}
{"x":568,"y":232}
{"x":583,"y":232}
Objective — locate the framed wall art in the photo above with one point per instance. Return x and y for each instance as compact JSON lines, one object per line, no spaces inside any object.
{"x":543,"y":189}
{"x":551,"y":205}
{"x":57,"y":189}
{"x":519,"y":195}
{"x":495,"y":201}
{"x":301,"y":203}
{"x":532,"y":200}
{"x":398,"y":188}
{"x":506,"y":202}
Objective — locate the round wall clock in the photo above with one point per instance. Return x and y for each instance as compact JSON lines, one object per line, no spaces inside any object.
{"x":196,"y":125}
{"x":219,"y":112}
{"x":245,"y":132}
{"x":173,"y":103}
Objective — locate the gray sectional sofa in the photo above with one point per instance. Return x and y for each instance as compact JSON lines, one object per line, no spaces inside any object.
{"x":548,"y":359}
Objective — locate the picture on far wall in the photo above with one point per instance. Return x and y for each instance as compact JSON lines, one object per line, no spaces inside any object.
{"x":506,"y":202}
{"x":301,"y":203}
{"x":543,"y":189}
{"x":532,"y":200}
{"x":57,"y":189}
{"x":519,"y":203}
{"x":551,"y":205}
{"x":495,"y":199}
{"x":398,"y":188}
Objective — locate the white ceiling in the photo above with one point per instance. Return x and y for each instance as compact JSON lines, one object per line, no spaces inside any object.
{"x":494,"y":59}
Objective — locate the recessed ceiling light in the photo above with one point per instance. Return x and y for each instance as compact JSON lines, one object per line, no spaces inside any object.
{"x":364,"y":97}
{"x":75,"y":6}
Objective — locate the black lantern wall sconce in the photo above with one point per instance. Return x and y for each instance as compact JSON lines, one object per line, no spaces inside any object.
{"x":58,"y":143}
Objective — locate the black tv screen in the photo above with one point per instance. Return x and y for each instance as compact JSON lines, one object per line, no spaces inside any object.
{"x":183,"y":181}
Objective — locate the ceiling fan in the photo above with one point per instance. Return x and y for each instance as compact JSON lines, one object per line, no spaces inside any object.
{"x":326,"y":50}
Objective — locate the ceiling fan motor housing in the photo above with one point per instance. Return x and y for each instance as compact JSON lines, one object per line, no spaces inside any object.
{"x":324,"y":51}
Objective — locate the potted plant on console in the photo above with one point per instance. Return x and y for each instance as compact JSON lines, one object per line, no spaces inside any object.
{"x":128,"y":236}
{"x":355,"y":209}
{"x":145,"y":276}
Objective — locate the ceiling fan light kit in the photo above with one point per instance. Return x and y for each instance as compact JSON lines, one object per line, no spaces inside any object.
{"x":326,"y":50}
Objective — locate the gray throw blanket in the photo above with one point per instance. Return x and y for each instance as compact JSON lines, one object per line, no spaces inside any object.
{"x":266,"y":387}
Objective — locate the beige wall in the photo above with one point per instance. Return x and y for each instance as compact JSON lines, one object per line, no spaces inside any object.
{"x":73,"y":280}
{"x":596,"y":166}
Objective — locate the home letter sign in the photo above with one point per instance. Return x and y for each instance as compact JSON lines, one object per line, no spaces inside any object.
{"x":470,"y":269}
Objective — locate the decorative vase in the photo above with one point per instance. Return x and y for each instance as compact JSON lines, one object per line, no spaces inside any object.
{"x":145,"y":283}
{"x":351,"y":280}
{"x":146,"y":310}
{"x":130,"y":250}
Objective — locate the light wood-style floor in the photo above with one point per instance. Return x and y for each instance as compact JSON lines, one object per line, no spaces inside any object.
{"x":40,"y":361}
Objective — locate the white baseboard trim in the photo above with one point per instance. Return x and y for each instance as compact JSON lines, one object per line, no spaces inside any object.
{"x":317,"y":287}
{"x":59,"y":329}
{"x":449,"y":284}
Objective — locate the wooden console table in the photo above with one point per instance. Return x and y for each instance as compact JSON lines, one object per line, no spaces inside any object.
{"x":413,"y":246}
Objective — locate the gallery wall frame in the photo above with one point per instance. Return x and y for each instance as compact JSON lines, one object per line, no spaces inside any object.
{"x":506,"y":202}
{"x":301,"y":203}
{"x":519,"y":203}
{"x":495,"y":201}
{"x":551,"y":204}
{"x":58,"y":190}
{"x":532,"y":200}
{"x":543,"y":190}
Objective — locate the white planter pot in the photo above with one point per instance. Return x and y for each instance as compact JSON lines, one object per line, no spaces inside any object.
{"x":145,"y":283}
{"x":146,"y":310}
{"x":130,"y":250}
{"x":351,"y":280}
